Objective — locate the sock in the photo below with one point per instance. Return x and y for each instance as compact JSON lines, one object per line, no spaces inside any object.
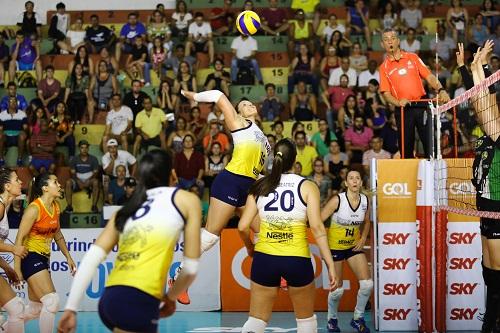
{"x":364,"y":292}
{"x":333,"y":302}
{"x":254,"y":325}
{"x":15,"y":310}
{"x":32,"y":310}
{"x":50,"y":306}
{"x":307,"y":325}
{"x":491,"y":278}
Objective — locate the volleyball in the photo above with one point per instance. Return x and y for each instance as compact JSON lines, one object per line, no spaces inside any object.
{"x":248,"y":22}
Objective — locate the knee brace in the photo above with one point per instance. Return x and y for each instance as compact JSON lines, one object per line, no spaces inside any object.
{"x":15,"y":309}
{"x":50,"y":302}
{"x":365,"y":287}
{"x":336,"y":294}
{"x":32,"y":311}
{"x":254,"y":325}
{"x":208,"y":240}
{"x":307,"y":325}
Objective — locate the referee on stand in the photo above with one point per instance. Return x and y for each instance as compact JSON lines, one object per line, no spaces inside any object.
{"x":401,"y":76}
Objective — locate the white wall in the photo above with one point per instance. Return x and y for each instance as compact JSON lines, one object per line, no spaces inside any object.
{"x":10,"y":9}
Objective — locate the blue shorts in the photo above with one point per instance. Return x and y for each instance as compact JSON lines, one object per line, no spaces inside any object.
{"x":267,"y":270}
{"x":38,"y":163}
{"x":129,"y":309}
{"x":33,"y":263}
{"x":231,"y":188}
{"x":340,"y":255}
{"x":25,"y":67}
{"x":11,"y":141}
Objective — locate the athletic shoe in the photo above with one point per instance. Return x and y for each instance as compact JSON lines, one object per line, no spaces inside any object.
{"x":360,"y":325}
{"x":283,"y":284}
{"x":183,"y":298}
{"x":332,"y":325}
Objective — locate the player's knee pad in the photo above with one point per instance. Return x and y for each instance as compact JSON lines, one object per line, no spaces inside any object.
{"x":365,"y":287}
{"x":254,"y":325}
{"x":32,"y":311}
{"x":336,"y":294}
{"x":208,"y":240}
{"x":15,"y":309}
{"x":307,"y":325}
{"x":50,"y":302}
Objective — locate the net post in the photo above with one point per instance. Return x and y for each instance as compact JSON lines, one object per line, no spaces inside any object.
{"x":455,"y":131}
{"x":402,"y":138}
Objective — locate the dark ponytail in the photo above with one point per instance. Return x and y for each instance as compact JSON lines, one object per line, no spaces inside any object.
{"x":36,"y":188}
{"x":154,"y":171}
{"x":284,"y":157}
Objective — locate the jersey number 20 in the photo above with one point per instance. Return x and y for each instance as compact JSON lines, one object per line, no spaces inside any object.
{"x":285,"y":206}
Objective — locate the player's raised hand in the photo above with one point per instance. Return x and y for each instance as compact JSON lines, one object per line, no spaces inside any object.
{"x":486,"y":51}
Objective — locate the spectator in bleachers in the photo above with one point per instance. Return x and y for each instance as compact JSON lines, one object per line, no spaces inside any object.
{"x":75,"y":37}
{"x":347,"y":113}
{"x":457,"y":19}
{"x":300,"y":32}
{"x":411,"y":17}
{"x":77,"y":92}
{"x":248,"y":5}
{"x":98,"y":36}
{"x":137,"y":64}
{"x":219,"y":79}
{"x":303,"y":68}
{"x":25,"y":56}
{"x":158,"y":28}
{"x":102,"y":86}
{"x":341,"y":43}
{"x":218,"y":18}
{"x":214,"y":134}
{"x":42,"y":146}
{"x":358,"y":18}
{"x":268,"y":165}
{"x":84,"y":169}
{"x":197,"y":125}
{"x":376,"y":152}
{"x":443,"y":74}
{"x":321,"y":179}
{"x":494,"y":63}
{"x":128,"y":33}
{"x":82,"y":57}
{"x":49,"y":89}
{"x":184,"y":80}
{"x":273,"y":19}
{"x":357,"y":139}
{"x":491,"y":15}
{"x":215,"y":162}
{"x":176,"y":138}
{"x":173,"y":62}
{"x":369,"y":74}
{"x":63,"y":126}
{"x":13,"y":130}
{"x":388,"y":17}
{"x":104,"y":55}
{"x":495,"y":37}
{"x":373,"y":92}
{"x":339,"y":183}
{"x":277,"y":129}
{"x":115,"y":157}
{"x":4,"y":59}
{"x":297,"y":168}
{"x":22,"y":104}
{"x":189,"y":165}
{"x":200,"y":37}
{"x":166,"y":99}
{"x":158,"y":55}
{"x":344,"y":68}
{"x":134,"y":99}
{"x":298,"y":127}
{"x":327,"y":64}
{"x":478,"y":33}
{"x":119,"y":122}
{"x":358,"y":61}
{"x":244,"y":49}
{"x":130,"y":185}
{"x":35,"y":121}
{"x":29,"y":21}
{"x":410,"y":43}
{"x":330,"y":28}
{"x":59,"y":23}
{"x":335,"y":97}
{"x":305,"y":153}
{"x":181,"y":20}
{"x":445,"y":47}
{"x":375,"y":114}
{"x":271,"y":106}
{"x":303,"y":105}
{"x":389,"y":134}
{"x":116,"y":186}
{"x":150,"y":126}
{"x":322,"y":138}
{"x":335,"y":160}
{"x":311,"y":9}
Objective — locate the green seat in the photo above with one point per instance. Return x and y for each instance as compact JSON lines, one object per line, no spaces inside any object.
{"x":265,"y":43}
{"x":11,"y":157}
{"x":95,"y":150}
{"x":256,"y":93}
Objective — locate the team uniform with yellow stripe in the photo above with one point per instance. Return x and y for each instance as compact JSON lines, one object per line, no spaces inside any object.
{"x":251,"y":149}
{"x":146,"y":248}
{"x":39,"y":239}
{"x":344,"y":232}
{"x":282,"y":249}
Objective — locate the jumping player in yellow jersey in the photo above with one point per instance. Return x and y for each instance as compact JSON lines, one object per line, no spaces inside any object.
{"x":146,"y":230}
{"x":284,"y":202}
{"x":39,"y":226}
{"x":350,"y":214}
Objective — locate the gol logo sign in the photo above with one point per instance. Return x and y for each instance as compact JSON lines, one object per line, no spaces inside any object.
{"x":462,"y":188}
{"x":396,"y":189}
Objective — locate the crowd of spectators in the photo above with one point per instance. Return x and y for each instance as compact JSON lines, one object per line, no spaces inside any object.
{"x":333,"y":80}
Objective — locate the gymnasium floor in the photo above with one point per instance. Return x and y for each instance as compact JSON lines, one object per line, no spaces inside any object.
{"x":211,"y":322}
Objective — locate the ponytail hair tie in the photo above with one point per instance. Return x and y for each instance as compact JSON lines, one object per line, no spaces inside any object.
{"x":280,"y":154}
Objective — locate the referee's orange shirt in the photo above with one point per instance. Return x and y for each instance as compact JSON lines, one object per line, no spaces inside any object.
{"x":403,"y":78}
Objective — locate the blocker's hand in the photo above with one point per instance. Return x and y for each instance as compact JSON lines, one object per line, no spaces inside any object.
{"x":67,"y":323}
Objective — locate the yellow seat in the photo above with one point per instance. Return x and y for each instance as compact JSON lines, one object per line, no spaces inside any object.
{"x":430,"y":24}
{"x":82,"y":203}
{"x":92,"y":133}
{"x":276,"y":75}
